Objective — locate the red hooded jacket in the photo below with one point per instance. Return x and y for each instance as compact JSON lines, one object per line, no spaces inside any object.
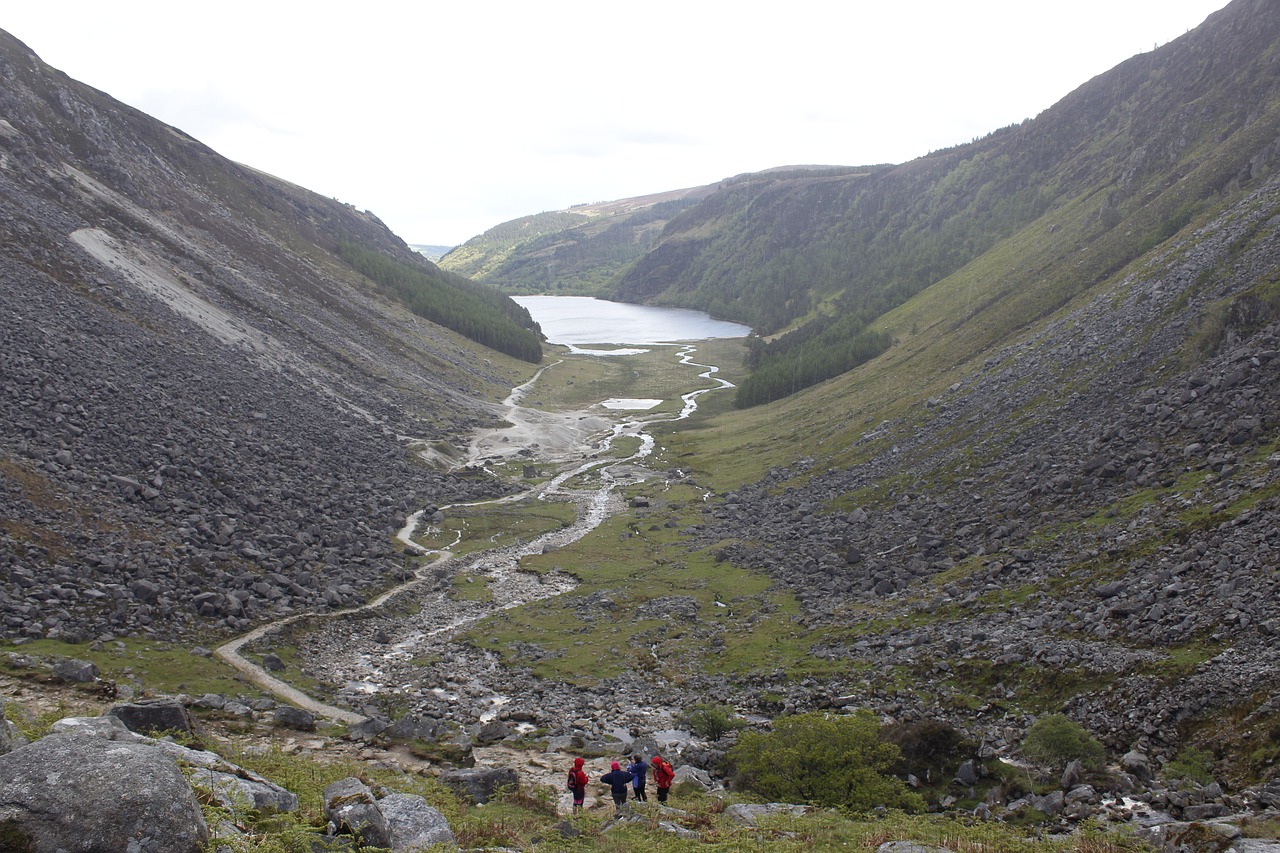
{"x":577,"y":777}
{"x":663,"y":772}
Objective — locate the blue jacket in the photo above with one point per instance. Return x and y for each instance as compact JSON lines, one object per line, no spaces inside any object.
{"x":639,"y":771}
{"x":617,"y":780}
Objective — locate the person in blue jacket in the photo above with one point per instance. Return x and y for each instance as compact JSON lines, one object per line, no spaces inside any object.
{"x":639,"y":771}
{"x":617,"y":780}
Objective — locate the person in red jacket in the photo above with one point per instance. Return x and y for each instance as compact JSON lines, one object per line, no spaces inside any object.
{"x":663,"y":774}
{"x":577,"y":784}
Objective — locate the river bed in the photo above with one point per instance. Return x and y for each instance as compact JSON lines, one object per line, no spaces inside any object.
{"x":398,"y":652}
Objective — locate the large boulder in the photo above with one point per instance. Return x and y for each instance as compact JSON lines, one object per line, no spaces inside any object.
{"x":79,"y":794}
{"x":155,"y":717}
{"x":230,"y":785}
{"x":79,"y":671}
{"x":750,"y":814}
{"x":413,"y":824}
{"x":350,"y":805}
{"x":480,"y":784}
{"x":290,"y":717}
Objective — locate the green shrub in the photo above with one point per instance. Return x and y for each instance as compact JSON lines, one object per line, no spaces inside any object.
{"x":711,"y":721}
{"x":1192,"y":763}
{"x":826,"y":760}
{"x":1054,"y":741}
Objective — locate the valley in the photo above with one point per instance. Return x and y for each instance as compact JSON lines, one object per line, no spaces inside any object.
{"x":404,"y":652}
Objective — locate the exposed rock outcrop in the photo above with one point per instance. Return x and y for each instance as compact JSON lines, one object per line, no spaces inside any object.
{"x":78,"y":793}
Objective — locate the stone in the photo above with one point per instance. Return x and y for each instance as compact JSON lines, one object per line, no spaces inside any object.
{"x":413,"y":728}
{"x":69,"y":792}
{"x":413,"y":824}
{"x":10,"y":738}
{"x":350,"y":805}
{"x":967,"y":774}
{"x":155,"y":717}
{"x":231,"y":785}
{"x":1138,"y":765}
{"x":492,"y":732}
{"x":80,"y":671}
{"x":107,"y":728}
{"x":479,"y":784}
{"x":750,"y":814}
{"x":294,"y":718}
{"x":367,"y":729}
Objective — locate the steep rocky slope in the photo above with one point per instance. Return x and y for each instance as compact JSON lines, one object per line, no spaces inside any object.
{"x":204,"y":411}
{"x":1018,"y":509}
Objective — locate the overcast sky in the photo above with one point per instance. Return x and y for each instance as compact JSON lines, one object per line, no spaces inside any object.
{"x":447,"y":119}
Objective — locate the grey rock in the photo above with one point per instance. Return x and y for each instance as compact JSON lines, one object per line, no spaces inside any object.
{"x":155,"y":717}
{"x":367,"y":729}
{"x":105,"y":727}
{"x":750,"y":814}
{"x":350,"y":805}
{"x":10,"y":738}
{"x":295,"y":718}
{"x":237,"y":792}
{"x":81,"y":671}
{"x":413,"y":728}
{"x":1072,"y":775}
{"x":492,"y":732}
{"x":479,"y":784}
{"x":77,"y":793}
{"x":1138,"y":765}
{"x":413,"y":824}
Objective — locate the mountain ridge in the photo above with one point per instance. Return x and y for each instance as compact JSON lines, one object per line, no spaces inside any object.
{"x":187,"y":360}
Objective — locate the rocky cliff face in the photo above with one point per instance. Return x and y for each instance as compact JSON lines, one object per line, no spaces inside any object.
{"x":202,"y":410}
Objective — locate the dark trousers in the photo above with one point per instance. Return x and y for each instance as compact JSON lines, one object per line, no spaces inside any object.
{"x":662,"y":794}
{"x":640,"y":795}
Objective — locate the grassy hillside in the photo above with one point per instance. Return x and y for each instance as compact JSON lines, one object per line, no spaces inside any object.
{"x":1085,"y":188}
{"x":573,"y":252}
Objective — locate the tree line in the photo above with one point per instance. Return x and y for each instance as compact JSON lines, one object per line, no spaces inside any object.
{"x":474,"y":311}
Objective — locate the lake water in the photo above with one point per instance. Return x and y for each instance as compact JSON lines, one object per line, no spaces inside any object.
{"x":574,"y":320}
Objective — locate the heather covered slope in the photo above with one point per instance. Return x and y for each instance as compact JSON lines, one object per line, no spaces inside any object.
{"x":1087,"y":187}
{"x":204,"y":407}
{"x":578,"y":251}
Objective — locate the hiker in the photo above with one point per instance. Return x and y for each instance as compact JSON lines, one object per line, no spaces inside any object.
{"x":617,"y":780}
{"x":639,"y":774}
{"x":663,"y":774}
{"x":577,"y":784}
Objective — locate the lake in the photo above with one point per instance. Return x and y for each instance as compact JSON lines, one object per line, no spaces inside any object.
{"x":573,"y":320}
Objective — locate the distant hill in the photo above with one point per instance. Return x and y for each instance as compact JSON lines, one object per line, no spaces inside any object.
{"x":431,"y":253}
{"x":576,"y":251}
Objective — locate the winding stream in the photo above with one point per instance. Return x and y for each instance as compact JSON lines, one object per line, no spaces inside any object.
{"x":365,"y":668}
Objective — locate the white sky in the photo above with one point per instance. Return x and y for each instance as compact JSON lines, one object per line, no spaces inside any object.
{"x":445,"y":119}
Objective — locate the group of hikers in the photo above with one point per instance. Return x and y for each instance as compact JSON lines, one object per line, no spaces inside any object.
{"x":636,"y":774}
